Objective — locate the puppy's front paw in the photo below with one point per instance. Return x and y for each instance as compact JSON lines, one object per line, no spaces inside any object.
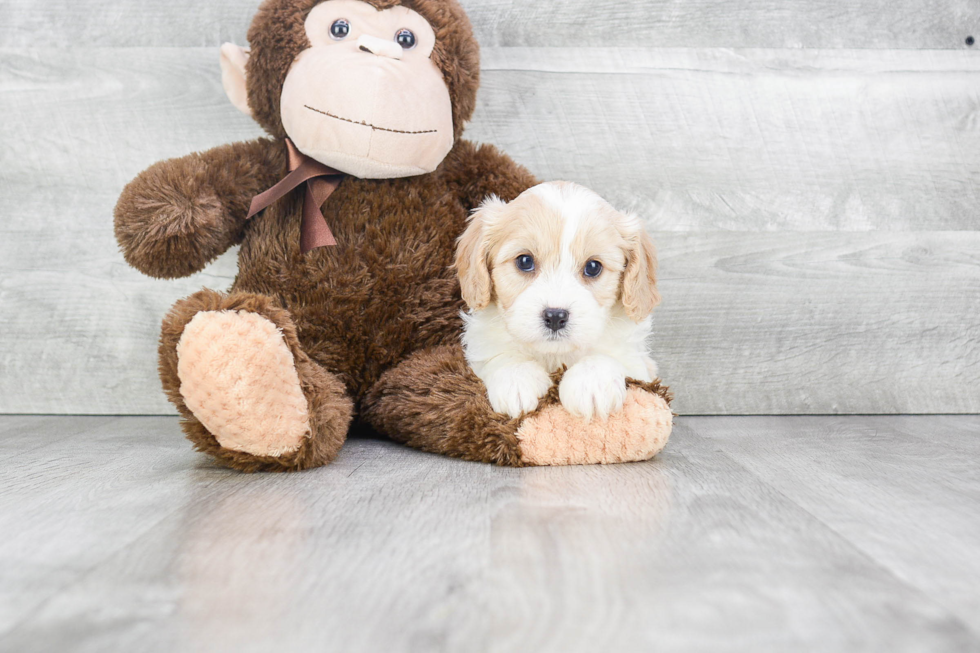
{"x":516,"y":388}
{"x":596,"y":385}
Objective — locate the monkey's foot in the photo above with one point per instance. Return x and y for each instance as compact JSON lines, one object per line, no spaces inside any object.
{"x":239,"y":379}
{"x":553,"y":436}
{"x":250,"y":396}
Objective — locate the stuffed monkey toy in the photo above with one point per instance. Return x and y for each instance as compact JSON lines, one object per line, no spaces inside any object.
{"x":345,"y":314}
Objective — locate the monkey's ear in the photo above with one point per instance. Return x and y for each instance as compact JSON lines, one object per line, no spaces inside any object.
{"x":233,"y":60}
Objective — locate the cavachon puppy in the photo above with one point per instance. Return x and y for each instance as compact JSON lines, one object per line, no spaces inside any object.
{"x":557,"y":278}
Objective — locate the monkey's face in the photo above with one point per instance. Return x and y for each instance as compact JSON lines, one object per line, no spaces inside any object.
{"x":365,"y":97}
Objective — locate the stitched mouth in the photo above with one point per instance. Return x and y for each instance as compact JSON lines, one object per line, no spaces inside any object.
{"x":367,"y":124}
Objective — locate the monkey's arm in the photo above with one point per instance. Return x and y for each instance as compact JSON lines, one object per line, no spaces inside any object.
{"x":479,"y":171}
{"x":179,"y":215}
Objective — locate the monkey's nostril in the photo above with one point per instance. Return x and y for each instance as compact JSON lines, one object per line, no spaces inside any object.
{"x":555,"y":319}
{"x":365,"y":48}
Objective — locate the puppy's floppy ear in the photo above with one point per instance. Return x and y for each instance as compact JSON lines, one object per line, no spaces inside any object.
{"x":640,"y":294}
{"x":472,"y":256}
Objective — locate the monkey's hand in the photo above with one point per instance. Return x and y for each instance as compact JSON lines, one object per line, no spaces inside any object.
{"x":179,"y":215}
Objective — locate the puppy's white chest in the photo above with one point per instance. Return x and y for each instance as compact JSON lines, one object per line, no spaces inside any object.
{"x":555,"y":362}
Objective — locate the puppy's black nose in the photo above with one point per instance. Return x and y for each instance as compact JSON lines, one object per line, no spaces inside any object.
{"x":555,"y":318}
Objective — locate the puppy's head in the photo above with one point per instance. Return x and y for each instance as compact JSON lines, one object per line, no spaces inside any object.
{"x":557,"y":261}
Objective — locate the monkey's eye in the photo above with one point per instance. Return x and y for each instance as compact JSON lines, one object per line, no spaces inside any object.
{"x":592,"y":269}
{"x":405,"y":38}
{"x":340,"y":29}
{"x":525,"y":263}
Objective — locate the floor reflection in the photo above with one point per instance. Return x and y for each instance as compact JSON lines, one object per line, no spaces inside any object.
{"x":240,"y":566}
{"x":574,"y":517}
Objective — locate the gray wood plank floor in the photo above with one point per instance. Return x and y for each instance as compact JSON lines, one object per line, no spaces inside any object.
{"x":747,"y":533}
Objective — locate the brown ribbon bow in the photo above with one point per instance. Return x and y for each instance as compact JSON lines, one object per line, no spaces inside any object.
{"x":321,"y":181}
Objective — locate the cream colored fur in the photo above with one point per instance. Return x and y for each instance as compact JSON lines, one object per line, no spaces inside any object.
{"x":239,"y":379}
{"x":638,"y":432}
{"x":234,"y":58}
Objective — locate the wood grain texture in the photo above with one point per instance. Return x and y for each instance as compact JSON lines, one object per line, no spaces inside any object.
{"x":903,"y":24}
{"x":693,"y":140}
{"x":19,"y":433}
{"x":748,"y":140}
{"x":121,"y":538}
{"x":820,"y":323}
{"x":751,"y":323}
{"x":771,"y":179}
{"x":871,"y":478}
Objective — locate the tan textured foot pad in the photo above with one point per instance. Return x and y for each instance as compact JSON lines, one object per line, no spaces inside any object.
{"x":552,"y":436}
{"x":239,"y":379}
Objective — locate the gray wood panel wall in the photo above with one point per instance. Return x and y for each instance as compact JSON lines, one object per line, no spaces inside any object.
{"x":810,"y":171}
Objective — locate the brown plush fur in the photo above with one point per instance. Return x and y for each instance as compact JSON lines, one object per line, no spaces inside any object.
{"x":180,"y":214}
{"x":330,"y":407}
{"x":367,"y":321}
{"x":434,"y":402}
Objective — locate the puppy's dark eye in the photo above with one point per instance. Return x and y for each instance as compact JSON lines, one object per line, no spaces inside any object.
{"x":525,"y":263}
{"x":405,"y":38}
{"x":592,"y":269}
{"x":340,"y":29}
